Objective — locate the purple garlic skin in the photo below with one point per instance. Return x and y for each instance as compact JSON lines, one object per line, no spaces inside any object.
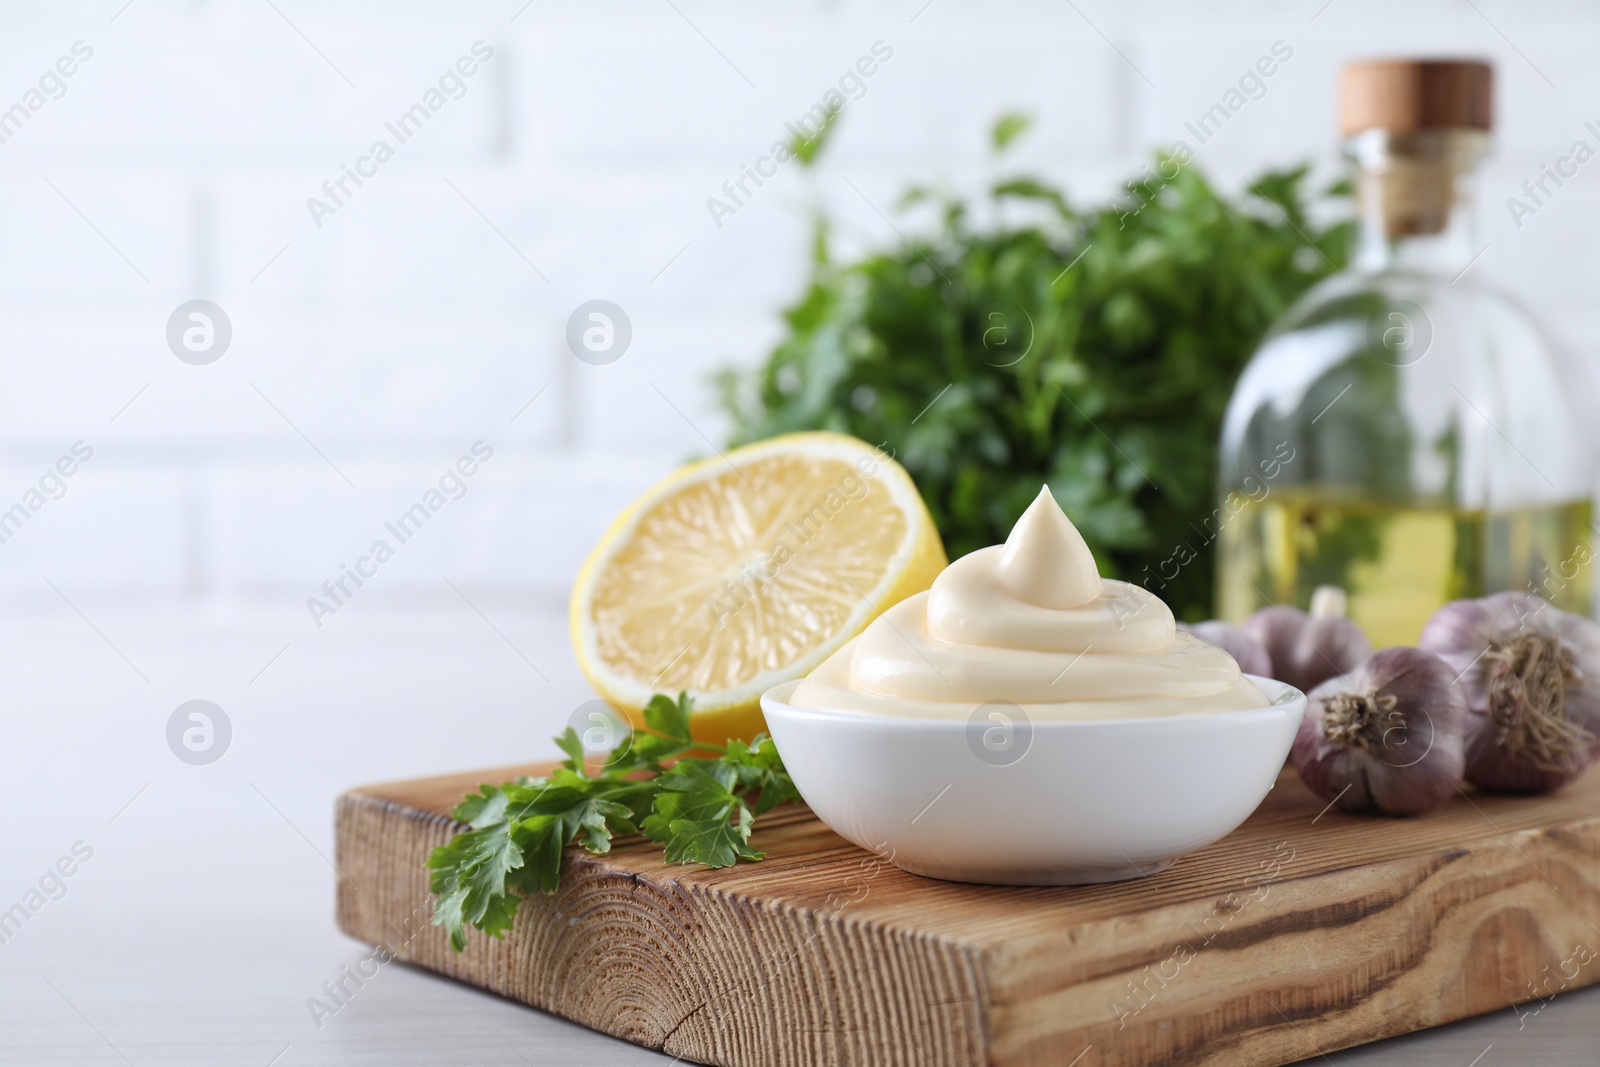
{"x":1388,"y":737}
{"x":1306,"y":649}
{"x":1249,"y":653}
{"x":1530,"y":676}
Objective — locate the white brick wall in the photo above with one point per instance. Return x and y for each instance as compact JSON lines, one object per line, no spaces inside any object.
{"x":410,"y":325}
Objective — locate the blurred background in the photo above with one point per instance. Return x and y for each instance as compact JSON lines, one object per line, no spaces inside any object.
{"x":376,"y":339}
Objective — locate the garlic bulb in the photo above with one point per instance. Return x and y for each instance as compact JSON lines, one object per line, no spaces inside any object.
{"x":1386,"y":737}
{"x":1307,"y":649}
{"x":1249,"y":653}
{"x":1530,"y":675}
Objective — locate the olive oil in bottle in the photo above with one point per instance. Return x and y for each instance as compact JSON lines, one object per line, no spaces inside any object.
{"x":1397,"y":563}
{"x":1408,"y":432}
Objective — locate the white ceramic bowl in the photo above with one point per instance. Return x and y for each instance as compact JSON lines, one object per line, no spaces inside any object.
{"x":1034,"y":803}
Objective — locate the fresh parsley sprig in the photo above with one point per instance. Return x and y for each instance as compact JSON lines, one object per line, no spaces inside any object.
{"x":1093,"y":347}
{"x":701,"y":809}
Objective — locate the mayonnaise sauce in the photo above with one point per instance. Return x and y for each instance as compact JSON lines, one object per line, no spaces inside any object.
{"x":1033,"y":623}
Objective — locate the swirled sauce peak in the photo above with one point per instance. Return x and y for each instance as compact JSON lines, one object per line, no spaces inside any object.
{"x":1033,"y":623}
{"x":1045,"y":561}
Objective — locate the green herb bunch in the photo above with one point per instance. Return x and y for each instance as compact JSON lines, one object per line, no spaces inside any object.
{"x":1091,"y":349}
{"x":702,"y":809}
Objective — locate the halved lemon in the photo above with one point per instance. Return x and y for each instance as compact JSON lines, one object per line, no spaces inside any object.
{"x":748,"y":569}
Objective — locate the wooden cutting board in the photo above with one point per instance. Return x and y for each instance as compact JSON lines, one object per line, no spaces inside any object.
{"x":1302,"y":932}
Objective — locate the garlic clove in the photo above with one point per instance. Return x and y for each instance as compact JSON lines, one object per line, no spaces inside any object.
{"x":1492,"y":768}
{"x":1530,"y":678}
{"x":1387,"y":737}
{"x":1308,"y":649}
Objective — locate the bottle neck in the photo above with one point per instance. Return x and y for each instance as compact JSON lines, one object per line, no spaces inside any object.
{"x":1414,"y":196}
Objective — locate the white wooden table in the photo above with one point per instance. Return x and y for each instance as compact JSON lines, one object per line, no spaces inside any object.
{"x":205,"y":991}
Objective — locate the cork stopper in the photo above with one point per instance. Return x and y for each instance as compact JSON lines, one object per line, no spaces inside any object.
{"x":1404,"y":96}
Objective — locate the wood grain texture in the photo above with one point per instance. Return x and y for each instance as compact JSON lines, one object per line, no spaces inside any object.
{"x":1302,"y":932}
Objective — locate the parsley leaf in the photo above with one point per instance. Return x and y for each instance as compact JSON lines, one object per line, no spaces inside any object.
{"x":693,"y":811}
{"x":569,"y":742}
{"x":701,"y":809}
{"x":712,"y":842}
{"x":759,"y":768}
{"x":470,"y":874}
